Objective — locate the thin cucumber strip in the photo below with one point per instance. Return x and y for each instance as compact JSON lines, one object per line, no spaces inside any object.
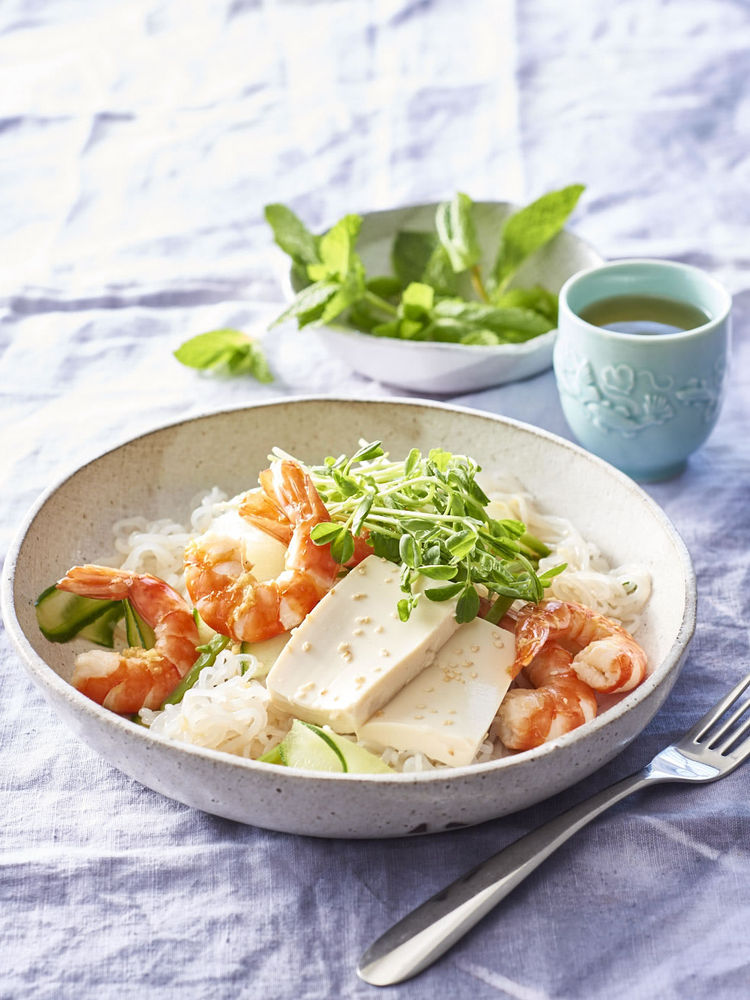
{"x":331,"y":743}
{"x":137,"y":631}
{"x":272,"y":756}
{"x":499,"y":608}
{"x":62,"y":616}
{"x":102,"y":629}
{"x":207,"y":658}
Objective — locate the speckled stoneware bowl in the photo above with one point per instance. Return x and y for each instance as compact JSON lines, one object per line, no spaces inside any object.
{"x":438,"y":368}
{"x":158,"y":474}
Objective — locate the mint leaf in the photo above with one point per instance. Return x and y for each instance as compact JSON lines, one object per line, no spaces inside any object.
{"x":537,"y":298}
{"x":229,"y":351}
{"x":417,"y":300}
{"x":307,"y":306}
{"x":336,"y":251}
{"x":411,"y":253}
{"x":292,"y":235}
{"x":466,"y":319}
{"x":454,"y":223}
{"x":530,"y":228}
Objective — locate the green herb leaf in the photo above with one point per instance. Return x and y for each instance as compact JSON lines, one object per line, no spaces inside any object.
{"x":537,"y":299}
{"x":292,"y":235}
{"x":225,"y":351}
{"x":408,"y":551}
{"x":421,"y":257}
{"x":324,"y":532}
{"x":468,"y":605}
{"x":307,"y":306}
{"x":438,"y":572}
{"x":461,"y":543}
{"x":454,"y":223}
{"x":342,"y":547}
{"x":531,"y":228}
{"x":443,"y":593}
{"x":410,"y":255}
{"x":336,"y":251}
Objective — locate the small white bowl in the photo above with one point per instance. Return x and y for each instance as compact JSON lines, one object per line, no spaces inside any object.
{"x":158,"y":473}
{"x":440,"y":368}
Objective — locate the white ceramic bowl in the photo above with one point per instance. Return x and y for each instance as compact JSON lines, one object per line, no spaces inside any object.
{"x":437,"y":368}
{"x":158,"y":474}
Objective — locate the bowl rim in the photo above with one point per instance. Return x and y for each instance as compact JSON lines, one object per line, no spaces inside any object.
{"x":475,"y":350}
{"x":47,"y":678}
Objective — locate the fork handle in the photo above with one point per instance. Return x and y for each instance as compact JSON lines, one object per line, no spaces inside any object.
{"x":423,"y":935}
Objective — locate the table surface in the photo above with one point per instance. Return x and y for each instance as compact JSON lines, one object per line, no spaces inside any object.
{"x":139,"y":142}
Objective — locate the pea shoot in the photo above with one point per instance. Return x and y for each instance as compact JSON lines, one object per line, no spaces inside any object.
{"x":428,"y":514}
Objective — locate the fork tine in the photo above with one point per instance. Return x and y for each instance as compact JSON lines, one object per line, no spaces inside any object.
{"x":736,"y":736}
{"x":715,"y":736}
{"x":701,"y":727}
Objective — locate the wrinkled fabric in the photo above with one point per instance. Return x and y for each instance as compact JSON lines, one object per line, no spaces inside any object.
{"x":139,"y":142}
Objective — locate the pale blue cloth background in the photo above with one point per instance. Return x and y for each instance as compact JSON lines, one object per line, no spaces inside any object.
{"x":139,"y":141}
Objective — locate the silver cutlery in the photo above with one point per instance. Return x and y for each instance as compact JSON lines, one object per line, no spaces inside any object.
{"x":713,"y":748}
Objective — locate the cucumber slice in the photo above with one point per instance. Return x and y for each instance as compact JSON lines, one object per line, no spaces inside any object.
{"x":138,"y":633}
{"x":266,"y":653}
{"x":316,"y":748}
{"x":62,"y":616}
{"x":101,"y":630}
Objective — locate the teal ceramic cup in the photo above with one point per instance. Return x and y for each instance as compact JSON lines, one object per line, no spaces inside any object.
{"x":642,"y":402}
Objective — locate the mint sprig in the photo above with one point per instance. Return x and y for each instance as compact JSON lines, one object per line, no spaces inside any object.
{"x":428,"y":514}
{"x":437,"y":291}
{"x":225,"y":351}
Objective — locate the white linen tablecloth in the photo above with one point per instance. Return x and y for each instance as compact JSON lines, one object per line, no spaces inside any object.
{"x":139,"y":141}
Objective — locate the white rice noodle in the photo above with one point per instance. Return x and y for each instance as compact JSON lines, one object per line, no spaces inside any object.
{"x":225,"y":710}
{"x":620,"y":592}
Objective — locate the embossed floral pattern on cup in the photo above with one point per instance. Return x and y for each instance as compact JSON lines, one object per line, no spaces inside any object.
{"x":626,"y":400}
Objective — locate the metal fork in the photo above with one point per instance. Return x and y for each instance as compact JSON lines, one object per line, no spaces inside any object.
{"x":710,"y":750}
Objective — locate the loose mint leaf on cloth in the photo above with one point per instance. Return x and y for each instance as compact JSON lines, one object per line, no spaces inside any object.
{"x":530,"y":228}
{"x":225,"y":351}
{"x":454,"y":223}
{"x":292,"y":235}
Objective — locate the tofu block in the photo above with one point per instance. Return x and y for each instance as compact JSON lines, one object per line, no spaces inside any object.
{"x":447,"y":709}
{"x":352,"y":653}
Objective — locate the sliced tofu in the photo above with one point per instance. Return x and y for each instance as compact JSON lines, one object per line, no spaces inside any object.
{"x":352,"y":654}
{"x":447,"y":709}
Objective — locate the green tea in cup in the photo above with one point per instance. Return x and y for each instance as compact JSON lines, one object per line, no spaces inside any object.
{"x":647,"y":315}
{"x":640,"y":362}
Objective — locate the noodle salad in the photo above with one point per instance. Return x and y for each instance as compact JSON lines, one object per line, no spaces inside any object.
{"x":363,"y":615}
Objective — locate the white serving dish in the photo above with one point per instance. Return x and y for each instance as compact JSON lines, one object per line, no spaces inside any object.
{"x":438,"y":368}
{"x":158,"y":473}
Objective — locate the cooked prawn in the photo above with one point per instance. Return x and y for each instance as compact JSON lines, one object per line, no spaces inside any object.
{"x":607,"y":657}
{"x":558,"y":702}
{"x":135,"y":678}
{"x":259,"y":509}
{"x":264,"y":514}
{"x":220,"y":581}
